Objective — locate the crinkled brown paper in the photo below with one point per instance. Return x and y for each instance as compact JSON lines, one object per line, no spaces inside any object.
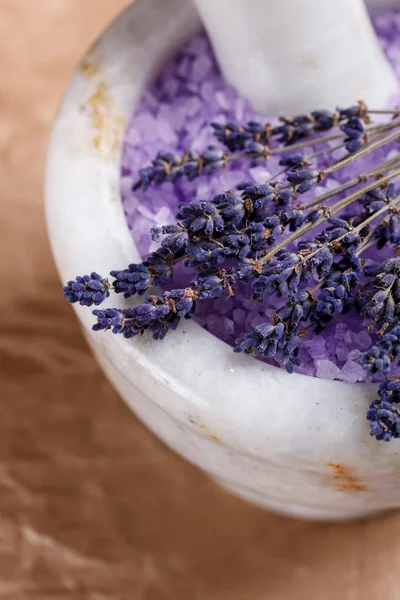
{"x":92,"y":506}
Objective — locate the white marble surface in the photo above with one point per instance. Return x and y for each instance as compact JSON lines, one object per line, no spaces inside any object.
{"x":297,"y":444}
{"x":289,"y":56}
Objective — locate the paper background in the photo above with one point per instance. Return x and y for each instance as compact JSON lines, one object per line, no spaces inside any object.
{"x":92,"y":506}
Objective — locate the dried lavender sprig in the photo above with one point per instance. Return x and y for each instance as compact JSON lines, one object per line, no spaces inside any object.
{"x":305,"y":178}
{"x":363,"y":178}
{"x":384,"y":412}
{"x":391,"y":111}
{"x":87,"y":289}
{"x":158,"y":315}
{"x":289,"y":131}
{"x":389,"y":207}
{"x":236,"y":136}
{"x":167,"y":167}
{"x":379,"y":358}
{"x":368,"y":131}
{"x":362,"y":152}
{"x":281,"y":338}
{"x":283,"y":274}
{"x":333,"y":210}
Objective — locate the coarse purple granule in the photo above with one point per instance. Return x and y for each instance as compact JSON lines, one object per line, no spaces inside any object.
{"x":174,"y":115}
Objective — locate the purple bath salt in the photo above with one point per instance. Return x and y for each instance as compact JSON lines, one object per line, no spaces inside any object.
{"x":316,"y":346}
{"x":351,"y":372}
{"x":342,"y":351}
{"x":326,"y":369}
{"x":175,"y":115}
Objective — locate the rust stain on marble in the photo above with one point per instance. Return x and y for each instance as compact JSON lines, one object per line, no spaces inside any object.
{"x":106,"y":122}
{"x":345,"y":479}
{"x":204,"y":428}
{"x":89,"y":67}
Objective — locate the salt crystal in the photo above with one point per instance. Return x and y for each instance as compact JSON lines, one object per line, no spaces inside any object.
{"x":239,"y":108}
{"x":126,"y":186}
{"x":150,"y":100}
{"x":171,"y":89}
{"x":326,"y":369}
{"x":306,"y":369}
{"x":204,"y":138}
{"x":269,"y":312}
{"x":200,"y":68}
{"x":198,"y":45}
{"x":219,"y":118}
{"x":163,"y":216}
{"x":340,"y":330}
{"x":342,"y":351}
{"x":168,"y":71}
{"x":260,"y":173}
{"x":147,"y":126}
{"x":352,"y":372}
{"x":165,"y":131}
{"x":202,"y":190}
{"x":239,"y":316}
{"x":146,"y":212}
{"x":363,"y":340}
{"x":250,"y":316}
{"x":131,"y":204}
{"x":257,"y":320}
{"x":230,"y":179}
{"x":331,"y":344}
{"x":354,"y":354}
{"x":133,"y":136}
{"x":225,"y":305}
{"x":129,"y":157}
{"x":139,"y":232}
{"x":222,"y":100}
{"x":348,"y":337}
{"x":192,"y":88}
{"x":229,"y":326}
{"x":165,"y":110}
{"x":249,"y":304}
{"x":184,"y":67}
{"x":193,"y":127}
{"x":317,"y":347}
{"x":207,"y":90}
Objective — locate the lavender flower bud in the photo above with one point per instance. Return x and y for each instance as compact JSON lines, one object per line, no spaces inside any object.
{"x":110,"y":318}
{"x":133,"y":280}
{"x":304,"y":178}
{"x":354,"y":130}
{"x":296,"y":161}
{"x":87,"y":290}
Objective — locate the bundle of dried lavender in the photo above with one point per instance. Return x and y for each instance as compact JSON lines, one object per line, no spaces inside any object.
{"x":310,"y":253}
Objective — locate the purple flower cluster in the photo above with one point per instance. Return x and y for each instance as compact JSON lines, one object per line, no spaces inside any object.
{"x":169,"y":167}
{"x":384,"y":412}
{"x":264,"y":237}
{"x":291,"y":129}
{"x":158,"y":315}
{"x":87,"y":290}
